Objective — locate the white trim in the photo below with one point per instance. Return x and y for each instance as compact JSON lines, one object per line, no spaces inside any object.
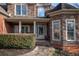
{"x":14,"y":9}
{"x":21,"y":9}
{"x":34,"y":23}
{"x":20,"y":26}
{"x":74,"y":30}
{"x":59,"y":30}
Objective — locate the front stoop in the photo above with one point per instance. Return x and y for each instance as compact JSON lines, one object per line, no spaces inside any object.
{"x":40,"y":51}
{"x":43,"y":43}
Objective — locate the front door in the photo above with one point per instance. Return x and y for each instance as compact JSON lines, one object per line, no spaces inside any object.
{"x":41,"y":31}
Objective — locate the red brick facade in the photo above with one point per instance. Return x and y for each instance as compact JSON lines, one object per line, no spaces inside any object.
{"x":4,"y":26}
{"x":1,"y":23}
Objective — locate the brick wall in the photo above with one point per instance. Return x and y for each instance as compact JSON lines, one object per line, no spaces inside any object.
{"x":1,"y":23}
{"x":4,"y":26}
{"x":9,"y":27}
{"x":10,"y":9}
{"x":72,"y":48}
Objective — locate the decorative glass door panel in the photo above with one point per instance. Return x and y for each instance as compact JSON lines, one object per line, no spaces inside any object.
{"x":41,"y":31}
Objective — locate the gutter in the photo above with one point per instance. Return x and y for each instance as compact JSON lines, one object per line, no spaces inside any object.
{"x":64,"y":11}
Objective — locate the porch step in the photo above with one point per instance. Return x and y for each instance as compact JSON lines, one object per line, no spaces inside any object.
{"x":42,"y":43}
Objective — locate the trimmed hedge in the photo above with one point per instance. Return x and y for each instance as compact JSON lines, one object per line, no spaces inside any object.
{"x":17,"y":40}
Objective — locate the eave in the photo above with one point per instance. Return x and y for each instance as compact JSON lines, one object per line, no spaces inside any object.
{"x":3,"y":12}
{"x":63,"y":11}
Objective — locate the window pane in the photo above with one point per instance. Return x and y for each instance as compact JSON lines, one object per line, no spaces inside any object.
{"x":56,"y":35}
{"x":23,"y":9}
{"x":18,"y":9}
{"x":70,"y":26}
{"x":71,"y":35}
{"x":70,"y":29}
{"x":56,"y":30}
{"x":26,"y":29}
{"x":56,"y":25}
{"x":22,"y":29}
{"x":40,"y":30}
{"x":41,"y":12}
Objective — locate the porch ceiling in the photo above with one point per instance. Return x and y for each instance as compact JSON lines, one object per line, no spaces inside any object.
{"x":26,"y":19}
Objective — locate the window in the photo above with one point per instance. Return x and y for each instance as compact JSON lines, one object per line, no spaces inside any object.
{"x":21,"y":9}
{"x":41,"y":12}
{"x":56,"y":30}
{"x":16,"y":29}
{"x":25,"y":29}
{"x":18,"y":9}
{"x":70,"y":29}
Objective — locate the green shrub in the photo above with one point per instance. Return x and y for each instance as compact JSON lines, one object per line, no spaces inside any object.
{"x":17,"y":40}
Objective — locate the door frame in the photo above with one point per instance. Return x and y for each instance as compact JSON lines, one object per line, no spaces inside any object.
{"x":44,"y":31}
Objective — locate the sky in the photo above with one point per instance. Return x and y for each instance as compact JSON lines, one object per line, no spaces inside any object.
{"x":73,"y":4}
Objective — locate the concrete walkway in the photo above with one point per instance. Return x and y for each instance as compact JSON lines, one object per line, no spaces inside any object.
{"x":40,"y":51}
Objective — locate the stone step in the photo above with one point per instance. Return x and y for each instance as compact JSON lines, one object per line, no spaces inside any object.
{"x":42,"y":43}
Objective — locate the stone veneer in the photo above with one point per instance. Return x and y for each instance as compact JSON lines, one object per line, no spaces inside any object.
{"x":32,"y":9}
{"x":68,"y":46}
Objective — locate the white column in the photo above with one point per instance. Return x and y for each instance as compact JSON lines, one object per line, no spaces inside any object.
{"x":34,"y":27}
{"x":19,"y":26}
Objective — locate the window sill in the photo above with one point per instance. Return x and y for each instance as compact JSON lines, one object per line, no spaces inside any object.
{"x":20,"y":15}
{"x":56,"y":40}
{"x":41,"y":16}
{"x":70,"y":40}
